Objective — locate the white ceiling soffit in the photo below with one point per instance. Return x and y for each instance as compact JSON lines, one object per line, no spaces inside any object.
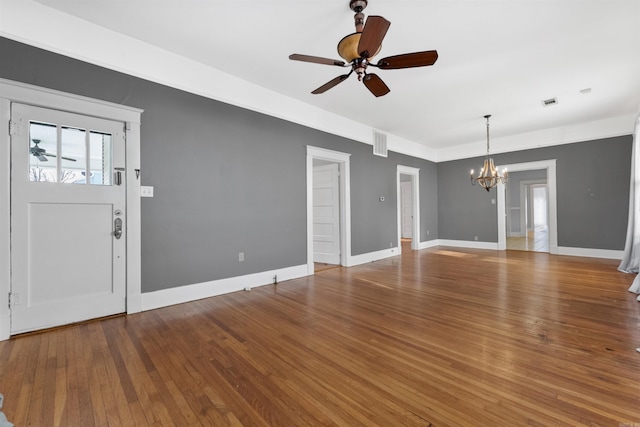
{"x":495,"y":57}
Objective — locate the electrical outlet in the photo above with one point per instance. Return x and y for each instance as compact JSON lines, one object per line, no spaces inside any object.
{"x":475,"y":237}
{"x":146,"y":191}
{"x":241,"y":256}
{"x":427,"y":232}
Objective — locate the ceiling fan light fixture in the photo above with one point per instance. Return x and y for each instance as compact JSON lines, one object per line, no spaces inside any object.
{"x":358,"y":49}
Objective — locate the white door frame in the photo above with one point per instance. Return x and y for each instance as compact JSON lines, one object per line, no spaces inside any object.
{"x":414,"y":173}
{"x":343,"y":160}
{"x":550,"y":166}
{"x":11,"y":91}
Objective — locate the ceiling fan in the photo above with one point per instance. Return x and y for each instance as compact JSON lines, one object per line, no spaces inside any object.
{"x":42,"y":154}
{"x":359,"y":48}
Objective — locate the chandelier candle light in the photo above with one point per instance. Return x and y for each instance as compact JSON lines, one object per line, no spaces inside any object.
{"x":489,"y":176}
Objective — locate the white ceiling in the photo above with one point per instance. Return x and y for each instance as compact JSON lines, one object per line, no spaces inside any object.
{"x":499,"y":57}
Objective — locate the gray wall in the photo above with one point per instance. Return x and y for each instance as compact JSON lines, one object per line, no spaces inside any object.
{"x":226,"y":179}
{"x":592,"y":180}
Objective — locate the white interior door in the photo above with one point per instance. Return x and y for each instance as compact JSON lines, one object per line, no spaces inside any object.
{"x":67,"y":205}
{"x":326,"y":214}
{"x":406,"y":193}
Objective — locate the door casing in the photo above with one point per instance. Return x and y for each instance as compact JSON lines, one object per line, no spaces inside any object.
{"x":550,"y":166}
{"x":11,"y":91}
{"x":414,"y":173}
{"x":343,"y":160}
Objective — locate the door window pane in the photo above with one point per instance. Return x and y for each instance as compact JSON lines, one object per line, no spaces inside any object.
{"x":43,"y":150}
{"x":59,"y":154}
{"x":100,"y":158}
{"x":73,"y":154}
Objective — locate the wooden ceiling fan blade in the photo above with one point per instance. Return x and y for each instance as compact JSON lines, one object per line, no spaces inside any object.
{"x":316,"y":60}
{"x":41,"y":158}
{"x":372,"y":35}
{"x":325,"y":87}
{"x":68,"y":158}
{"x":375,"y":85}
{"x":408,"y":60}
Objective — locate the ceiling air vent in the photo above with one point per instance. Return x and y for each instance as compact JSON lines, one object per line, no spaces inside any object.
{"x":379,"y":144}
{"x":549,"y":102}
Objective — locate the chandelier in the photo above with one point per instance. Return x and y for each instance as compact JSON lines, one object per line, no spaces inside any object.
{"x":489,"y":176}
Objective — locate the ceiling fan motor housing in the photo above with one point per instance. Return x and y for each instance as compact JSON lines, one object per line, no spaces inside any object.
{"x":358,"y":5}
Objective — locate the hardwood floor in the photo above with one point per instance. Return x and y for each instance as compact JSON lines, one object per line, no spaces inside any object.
{"x":442,"y":336}
{"x":536,"y":240}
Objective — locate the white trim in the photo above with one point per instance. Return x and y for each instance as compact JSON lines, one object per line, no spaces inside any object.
{"x":343,"y":159}
{"x":550,"y":166}
{"x":414,"y":173}
{"x":373,"y":256}
{"x":568,"y":134}
{"x":188,"y":293}
{"x":429,"y":244}
{"x":468,"y":244}
{"x":134,"y":219}
{"x":28,"y":94}
{"x":590,"y":253}
{"x":5,"y":218}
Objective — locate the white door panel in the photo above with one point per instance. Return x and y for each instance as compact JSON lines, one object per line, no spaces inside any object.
{"x":406,"y":192}
{"x":67,"y":266}
{"x":326,"y":214}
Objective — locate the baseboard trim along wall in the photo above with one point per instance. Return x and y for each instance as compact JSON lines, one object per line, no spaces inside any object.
{"x":182,"y":294}
{"x":590,"y":253}
{"x":562,"y":250}
{"x":429,"y":244}
{"x":372,"y":256}
{"x":468,"y":244}
{"x":5,"y":327}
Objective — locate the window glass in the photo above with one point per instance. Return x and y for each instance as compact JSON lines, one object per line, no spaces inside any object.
{"x":67,"y":160}
{"x":100,"y":159}
{"x":43,"y":149}
{"x":73,"y":154}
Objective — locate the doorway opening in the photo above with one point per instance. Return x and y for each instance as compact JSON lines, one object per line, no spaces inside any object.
{"x":408,"y":208}
{"x":527,"y":209}
{"x":328,"y":209}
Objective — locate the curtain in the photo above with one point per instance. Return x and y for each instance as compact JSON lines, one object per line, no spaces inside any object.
{"x":631,"y":257}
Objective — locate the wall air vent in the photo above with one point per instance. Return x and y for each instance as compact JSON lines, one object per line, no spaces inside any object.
{"x":549,"y":102}
{"x":379,"y":144}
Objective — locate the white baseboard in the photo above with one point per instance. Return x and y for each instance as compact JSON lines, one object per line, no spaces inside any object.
{"x":590,"y":253}
{"x":182,"y":294}
{"x":5,"y":327}
{"x":372,"y":256}
{"x":429,"y":244}
{"x":468,"y":244}
{"x":134,"y":303}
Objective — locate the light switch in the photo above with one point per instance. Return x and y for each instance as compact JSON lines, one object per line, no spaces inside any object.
{"x":146,"y":191}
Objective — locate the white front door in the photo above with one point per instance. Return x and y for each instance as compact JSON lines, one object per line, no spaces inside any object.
{"x":326,"y":214}
{"x":406,"y":194}
{"x":67,"y":218}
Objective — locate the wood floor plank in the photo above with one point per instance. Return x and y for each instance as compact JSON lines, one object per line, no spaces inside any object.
{"x":441,"y":337}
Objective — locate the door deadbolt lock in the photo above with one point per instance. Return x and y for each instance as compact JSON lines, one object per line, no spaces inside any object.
{"x":117,"y":232}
